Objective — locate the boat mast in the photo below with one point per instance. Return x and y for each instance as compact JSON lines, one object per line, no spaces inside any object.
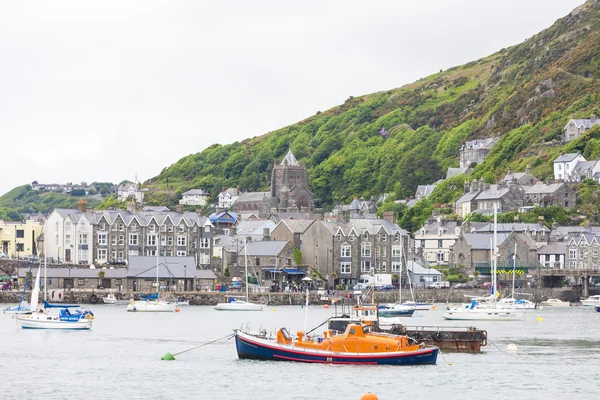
{"x":157,"y":260}
{"x":45,"y":275}
{"x":246,"y":267}
{"x":495,"y":252}
{"x":514,"y":270}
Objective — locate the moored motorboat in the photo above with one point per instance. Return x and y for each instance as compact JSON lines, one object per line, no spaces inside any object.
{"x":396,"y":310}
{"x":111,"y":299}
{"x":419,"y":306}
{"x":483,"y":312}
{"x":151,"y":305}
{"x":22,"y":308}
{"x":591,"y":301}
{"x":235,"y":304}
{"x":357,"y":345}
{"x":519,"y":304}
{"x":555,"y":303}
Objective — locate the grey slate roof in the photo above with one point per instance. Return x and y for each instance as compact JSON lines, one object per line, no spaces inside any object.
{"x":424,"y":191}
{"x":372,"y":226}
{"x":193,"y":192}
{"x":584,"y":167}
{"x":231,"y":243}
{"x":587,"y":123}
{"x":297,"y":225}
{"x":168,"y":267}
{"x":479,"y":143}
{"x":432,"y":227}
{"x":493,"y":193}
{"x":452,"y":172}
{"x":481,"y":241}
{"x":254,"y":226}
{"x":513,"y":175}
{"x":253,"y":196}
{"x":509,"y":227}
{"x":76,"y":273}
{"x":566,"y":157}
{"x":144,"y":218}
{"x":467,"y":197}
{"x":553,"y":248}
{"x":416,"y":269}
{"x":542,"y":188}
{"x":266,"y":248}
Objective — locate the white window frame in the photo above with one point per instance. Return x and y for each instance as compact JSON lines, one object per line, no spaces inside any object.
{"x":181,"y":240}
{"x":366,"y":266}
{"x":133,"y":239}
{"x":346,"y":268}
{"x":365,"y":249}
{"x":396,"y":250}
{"x":102,"y":239}
{"x":346,"y":250}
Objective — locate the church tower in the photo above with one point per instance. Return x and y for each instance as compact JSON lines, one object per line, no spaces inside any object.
{"x":291,"y":177}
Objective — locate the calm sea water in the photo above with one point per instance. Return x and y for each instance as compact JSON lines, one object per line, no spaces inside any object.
{"x":120,"y":359}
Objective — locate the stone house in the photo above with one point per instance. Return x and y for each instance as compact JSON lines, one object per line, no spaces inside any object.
{"x":565,"y":164}
{"x":272,"y":259}
{"x":585,"y":170}
{"x":80,"y":278}
{"x":473,"y":251}
{"x":467,"y":203}
{"x":421,"y":276}
{"x":538,"y":232}
{"x":256,"y":229}
{"x":292,"y":230}
{"x":520,"y":178}
{"x":356,"y":207}
{"x":345,"y":250}
{"x":584,"y":252}
{"x":223,"y":221}
{"x":577,"y":127}
{"x":559,"y":194}
{"x":174,"y":274}
{"x":434,"y":240}
{"x":505,"y":197}
{"x":475,"y":151}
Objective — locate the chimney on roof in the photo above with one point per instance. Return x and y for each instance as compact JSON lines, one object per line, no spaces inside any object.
{"x":266,"y":234}
{"x":390,"y":216}
{"x":467,"y":187}
{"x":82,"y":205}
{"x":131,"y":206}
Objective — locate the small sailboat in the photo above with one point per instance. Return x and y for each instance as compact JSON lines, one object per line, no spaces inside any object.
{"x":58,"y":318}
{"x":235,"y":303}
{"x":555,"y":303}
{"x":21,"y":308}
{"x":152,"y":303}
{"x":488,"y":309}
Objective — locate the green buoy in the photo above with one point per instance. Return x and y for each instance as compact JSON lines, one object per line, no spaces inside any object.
{"x":168,"y":357}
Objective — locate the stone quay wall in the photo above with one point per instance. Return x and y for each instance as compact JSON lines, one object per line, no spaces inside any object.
{"x":212,"y":298}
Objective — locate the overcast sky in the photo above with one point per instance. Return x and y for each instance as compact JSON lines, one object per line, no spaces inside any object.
{"x":101,"y":91}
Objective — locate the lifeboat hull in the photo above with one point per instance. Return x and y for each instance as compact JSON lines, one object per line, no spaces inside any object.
{"x":250,"y":347}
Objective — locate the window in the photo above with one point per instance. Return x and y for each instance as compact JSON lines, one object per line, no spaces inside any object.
{"x":113,"y":255}
{"x":378,"y":266}
{"x":163,"y":228}
{"x":383,"y":266}
{"x":133,"y":252}
{"x":151,"y":240}
{"x":67,"y":240}
{"x":440,"y":257}
{"x":114,"y":227}
{"x":346,"y":268}
{"x":181,"y":228}
{"x":365,"y":266}
{"x":83,"y":239}
{"x":150,"y":252}
{"x":366,"y":236}
{"x":121,"y":240}
{"x":163,"y":240}
{"x":103,"y":226}
{"x":346,"y":250}
{"x":316,"y":261}
{"x":153,"y":228}
{"x":365,"y":249}
{"x":20,"y":247}
{"x":133,"y":239}
{"x":207,"y":229}
{"x":67,"y":225}
{"x":83,"y":255}
{"x":195,"y":229}
{"x":316,"y":243}
{"x":121,"y":227}
{"x":573,"y":254}
{"x":113,"y":239}
{"x":204,"y":258}
{"x":423,"y":243}
{"x":20,"y":234}
{"x":378,"y":251}
{"x":257,"y":261}
{"x":384,"y":237}
{"x":396,"y":266}
{"x":121,"y":255}
{"x":133,"y":228}
{"x":397,"y":237}
{"x":351,"y":237}
{"x":102,"y":239}
{"x":384,"y":251}
{"x":204,"y":243}
{"x":396,"y":251}
{"x":170,"y":228}
{"x":339,"y":237}
{"x":181,"y":240}
{"x":440,"y":244}
{"x":181,"y":253}
{"x":170,"y":241}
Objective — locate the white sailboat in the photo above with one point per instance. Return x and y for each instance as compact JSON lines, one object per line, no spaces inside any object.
{"x":53,"y":318}
{"x":153,"y":303}
{"x":399,"y":309}
{"x":234,"y":303}
{"x":111,"y":299}
{"x":490,"y":310}
{"x":512,"y":302}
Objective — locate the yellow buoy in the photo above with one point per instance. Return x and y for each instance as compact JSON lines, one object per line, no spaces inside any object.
{"x":434,"y":308}
{"x":539,"y":319}
{"x":511,"y":347}
{"x":274,"y":309}
{"x":369,"y":396}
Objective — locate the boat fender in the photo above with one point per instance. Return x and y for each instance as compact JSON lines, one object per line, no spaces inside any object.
{"x":437,"y":336}
{"x":93,"y":298}
{"x":416,"y":336}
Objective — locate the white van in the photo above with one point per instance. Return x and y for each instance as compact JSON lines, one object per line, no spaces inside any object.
{"x":439,"y":285}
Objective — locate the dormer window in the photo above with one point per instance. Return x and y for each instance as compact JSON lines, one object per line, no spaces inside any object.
{"x":351,"y":237}
{"x":366,"y":236}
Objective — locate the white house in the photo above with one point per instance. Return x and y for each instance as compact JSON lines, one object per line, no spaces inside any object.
{"x":420,"y":276}
{"x":128,"y":191}
{"x":565,"y":164}
{"x":228,"y":197}
{"x":69,"y":236}
{"x":194,"y":197}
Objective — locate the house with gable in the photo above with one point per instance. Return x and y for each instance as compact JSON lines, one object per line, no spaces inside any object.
{"x":584,"y":252}
{"x":475,"y":151}
{"x":228,"y":197}
{"x":292,"y":230}
{"x":575,"y":128}
{"x":195,"y":197}
{"x":520,"y":178}
{"x":434,"y":240}
{"x":344,"y":250}
{"x":559,"y":194}
{"x":565,"y":164}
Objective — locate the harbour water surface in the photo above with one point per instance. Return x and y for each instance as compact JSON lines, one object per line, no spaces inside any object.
{"x":120,"y":359}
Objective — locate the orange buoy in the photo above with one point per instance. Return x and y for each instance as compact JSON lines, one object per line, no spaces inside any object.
{"x":326,"y":306}
{"x":369,"y":396}
{"x":177,"y":310}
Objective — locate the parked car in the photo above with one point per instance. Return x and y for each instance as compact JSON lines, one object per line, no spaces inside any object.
{"x":439,"y":285}
{"x":117,"y":262}
{"x":386,"y":287}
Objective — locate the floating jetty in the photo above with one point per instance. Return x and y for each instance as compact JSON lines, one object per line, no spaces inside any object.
{"x":447,"y":338}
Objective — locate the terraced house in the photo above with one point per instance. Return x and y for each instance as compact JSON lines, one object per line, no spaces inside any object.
{"x":99,"y":237}
{"x":343,"y":250}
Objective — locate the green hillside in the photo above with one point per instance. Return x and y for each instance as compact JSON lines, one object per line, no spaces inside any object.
{"x":525,"y":94}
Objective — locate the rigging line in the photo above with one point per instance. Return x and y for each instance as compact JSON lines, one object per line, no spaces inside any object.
{"x":206,"y":344}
